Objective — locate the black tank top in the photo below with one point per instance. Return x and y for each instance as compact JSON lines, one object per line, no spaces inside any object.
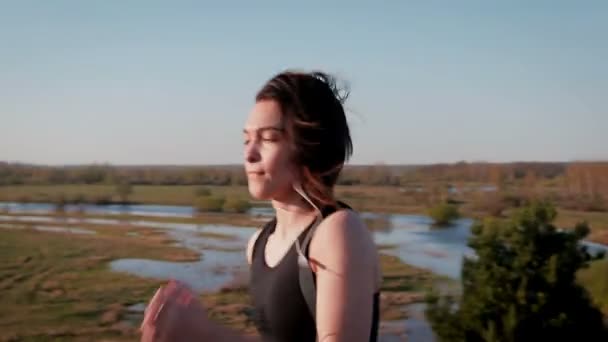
{"x":280,"y":311}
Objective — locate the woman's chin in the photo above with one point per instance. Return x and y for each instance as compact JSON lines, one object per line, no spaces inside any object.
{"x":258,"y":193}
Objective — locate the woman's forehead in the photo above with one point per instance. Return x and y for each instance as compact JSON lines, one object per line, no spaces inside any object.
{"x":264,"y":114}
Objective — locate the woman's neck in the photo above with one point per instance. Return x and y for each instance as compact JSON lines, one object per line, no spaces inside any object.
{"x":293,"y":214}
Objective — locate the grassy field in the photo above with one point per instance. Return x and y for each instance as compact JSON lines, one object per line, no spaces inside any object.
{"x":123,"y":230}
{"x":241,"y":220}
{"x":153,"y":194}
{"x":596,"y":220}
{"x":57,"y":287}
{"x":595,"y":280}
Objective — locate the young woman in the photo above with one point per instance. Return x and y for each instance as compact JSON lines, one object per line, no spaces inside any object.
{"x":296,"y":141}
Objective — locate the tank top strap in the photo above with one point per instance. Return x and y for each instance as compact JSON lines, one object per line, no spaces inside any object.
{"x":260,"y":242}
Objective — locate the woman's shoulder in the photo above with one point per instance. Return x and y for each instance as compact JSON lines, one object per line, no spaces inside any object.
{"x":343,"y":244}
{"x":342,"y":215}
{"x":343,"y":226}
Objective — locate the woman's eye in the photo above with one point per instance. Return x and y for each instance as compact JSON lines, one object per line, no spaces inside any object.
{"x":270,"y":137}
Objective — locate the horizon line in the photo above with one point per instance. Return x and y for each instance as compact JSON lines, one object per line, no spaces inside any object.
{"x":22,"y":163}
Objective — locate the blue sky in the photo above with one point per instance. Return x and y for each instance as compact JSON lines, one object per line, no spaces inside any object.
{"x":150,"y":82}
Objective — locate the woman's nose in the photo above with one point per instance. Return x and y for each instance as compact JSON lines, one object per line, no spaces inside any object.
{"x":252,"y":153}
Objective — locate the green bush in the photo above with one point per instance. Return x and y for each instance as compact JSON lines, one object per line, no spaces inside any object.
{"x":444,"y":213}
{"x":124,"y":190}
{"x":101,"y":199}
{"x":210,"y":204}
{"x":202,"y":192}
{"x":237,"y":205}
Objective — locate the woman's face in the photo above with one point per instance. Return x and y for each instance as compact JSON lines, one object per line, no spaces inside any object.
{"x":267,"y":154}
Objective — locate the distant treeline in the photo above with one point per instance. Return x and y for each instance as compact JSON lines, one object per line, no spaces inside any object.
{"x":19,"y":174}
{"x":580,"y":177}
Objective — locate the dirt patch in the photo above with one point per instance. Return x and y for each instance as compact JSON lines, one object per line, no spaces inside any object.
{"x":112,"y":314}
{"x":600,"y":237}
{"x":392,"y":304}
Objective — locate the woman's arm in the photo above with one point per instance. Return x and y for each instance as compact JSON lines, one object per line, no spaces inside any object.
{"x":345,"y":260}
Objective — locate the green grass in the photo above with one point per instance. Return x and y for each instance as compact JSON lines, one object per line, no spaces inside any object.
{"x":598,"y":223}
{"x":595,"y":280}
{"x":148,"y":194}
{"x":217,"y":236}
{"x":399,"y":276}
{"x":56,"y":286}
{"x":388,"y":246}
{"x":233,"y":308}
{"x":123,"y":231}
{"x":570,"y":218}
{"x":241,"y":220}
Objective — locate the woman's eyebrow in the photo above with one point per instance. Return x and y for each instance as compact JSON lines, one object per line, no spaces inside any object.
{"x":266,"y":128}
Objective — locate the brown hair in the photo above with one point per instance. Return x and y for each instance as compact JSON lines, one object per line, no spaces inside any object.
{"x":315,"y":122}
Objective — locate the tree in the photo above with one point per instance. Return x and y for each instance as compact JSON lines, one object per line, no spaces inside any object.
{"x":497,"y":177}
{"x":93,"y":174}
{"x":377,"y":174}
{"x":490,"y":203}
{"x":124,"y":190}
{"x":530,"y":183}
{"x":444,"y":213}
{"x":521,"y":285}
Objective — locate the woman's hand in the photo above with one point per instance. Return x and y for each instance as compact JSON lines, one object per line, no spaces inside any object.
{"x":174,"y":314}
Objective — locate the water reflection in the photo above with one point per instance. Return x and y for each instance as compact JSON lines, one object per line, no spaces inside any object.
{"x":115,"y":209}
{"x":417,"y":243}
{"x":379,"y":223}
{"x":215,"y":269}
{"x":64,"y":230}
{"x":222,"y":257}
